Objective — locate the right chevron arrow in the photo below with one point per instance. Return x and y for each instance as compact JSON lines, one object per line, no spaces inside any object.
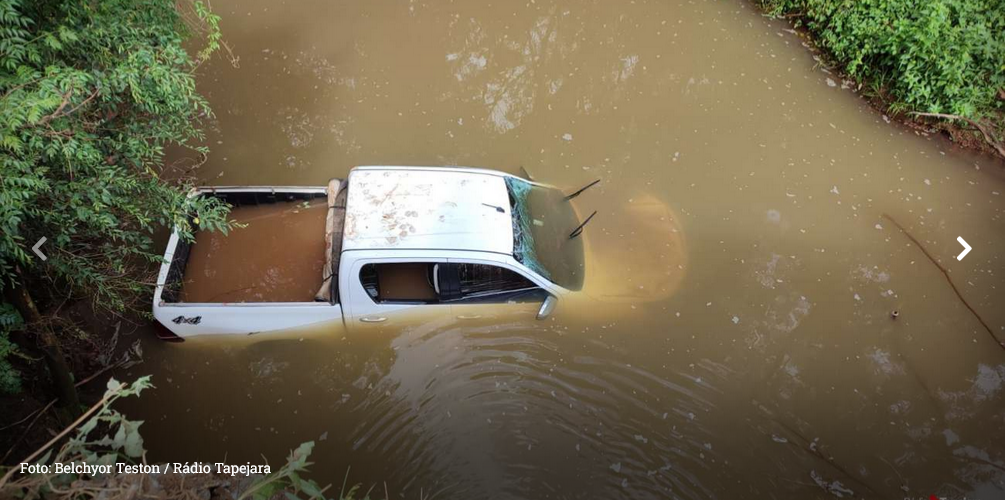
{"x":966,"y":248}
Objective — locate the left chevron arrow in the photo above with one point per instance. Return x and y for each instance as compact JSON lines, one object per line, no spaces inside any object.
{"x":38,"y":252}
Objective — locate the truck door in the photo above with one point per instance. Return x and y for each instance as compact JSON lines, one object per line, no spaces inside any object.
{"x":388,"y":294}
{"x":487,"y":292}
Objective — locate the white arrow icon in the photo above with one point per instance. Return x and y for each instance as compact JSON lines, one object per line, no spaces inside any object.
{"x":966,"y":248}
{"x":42,"y":255}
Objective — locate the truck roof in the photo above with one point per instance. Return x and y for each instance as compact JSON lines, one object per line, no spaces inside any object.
{"x":427,"y":208}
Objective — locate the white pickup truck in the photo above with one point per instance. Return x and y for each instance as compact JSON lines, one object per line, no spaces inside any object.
{"x":394,"y":239}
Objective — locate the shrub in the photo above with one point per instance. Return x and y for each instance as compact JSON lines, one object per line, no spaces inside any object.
{"x":91,"y":94}
{"x":935,"y":56}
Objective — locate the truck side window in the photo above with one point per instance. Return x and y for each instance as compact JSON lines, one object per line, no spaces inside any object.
{"x":481,"y":283}
{"x":399,"y":282}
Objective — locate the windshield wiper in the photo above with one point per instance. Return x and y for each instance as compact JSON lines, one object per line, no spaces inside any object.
{"x":579,"y":230}
{"x":497,"y":207}
{"x":584,"y":188}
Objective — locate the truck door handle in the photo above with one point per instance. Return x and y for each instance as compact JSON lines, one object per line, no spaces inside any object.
{"x":476,"y":316}
{"x":372,"y":319}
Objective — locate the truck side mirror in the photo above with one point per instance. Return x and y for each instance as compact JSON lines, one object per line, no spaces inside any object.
{"x":547,"y":307}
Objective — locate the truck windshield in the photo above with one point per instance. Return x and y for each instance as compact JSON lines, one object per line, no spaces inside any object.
{"x":542,"y":221}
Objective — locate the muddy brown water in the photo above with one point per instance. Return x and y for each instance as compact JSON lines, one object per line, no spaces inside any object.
{"x":749,"y":349}
{"x":275,"y":253}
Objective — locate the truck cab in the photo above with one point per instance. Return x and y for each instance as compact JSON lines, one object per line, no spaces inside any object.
{"x":395,"y":241}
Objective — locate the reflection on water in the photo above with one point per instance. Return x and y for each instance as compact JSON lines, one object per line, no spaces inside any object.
{"x":646,"y":265}
{"x":737,"y":341}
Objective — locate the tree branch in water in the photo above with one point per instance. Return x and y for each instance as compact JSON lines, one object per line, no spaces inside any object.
{"x":813,"y":448}
{"x":949,"y":279}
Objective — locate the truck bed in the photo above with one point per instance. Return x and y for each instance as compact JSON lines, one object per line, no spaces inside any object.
{"x":278,"y":256}
{"x":281,"y":252}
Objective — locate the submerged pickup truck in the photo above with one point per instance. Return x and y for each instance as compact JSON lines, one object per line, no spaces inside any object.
{"x":384,"y":241}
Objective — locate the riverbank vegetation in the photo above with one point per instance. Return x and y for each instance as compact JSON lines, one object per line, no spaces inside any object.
{"x":932,"y":59}
{"x":91,"y":94}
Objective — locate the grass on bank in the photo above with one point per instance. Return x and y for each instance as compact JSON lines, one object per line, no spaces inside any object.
{"x":926,"y":57}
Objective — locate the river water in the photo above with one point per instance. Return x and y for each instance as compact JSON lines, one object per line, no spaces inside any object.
{"x":763,"y":360}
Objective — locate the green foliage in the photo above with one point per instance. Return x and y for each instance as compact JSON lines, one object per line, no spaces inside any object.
{"x":91,"y":94}
{"x":288,"y":481}
{"x":212,"y":30}
{"x":936,"y":56}
{"x":105,"y":438}
{"x":108,"y":437}
{"x":10,"y":379}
